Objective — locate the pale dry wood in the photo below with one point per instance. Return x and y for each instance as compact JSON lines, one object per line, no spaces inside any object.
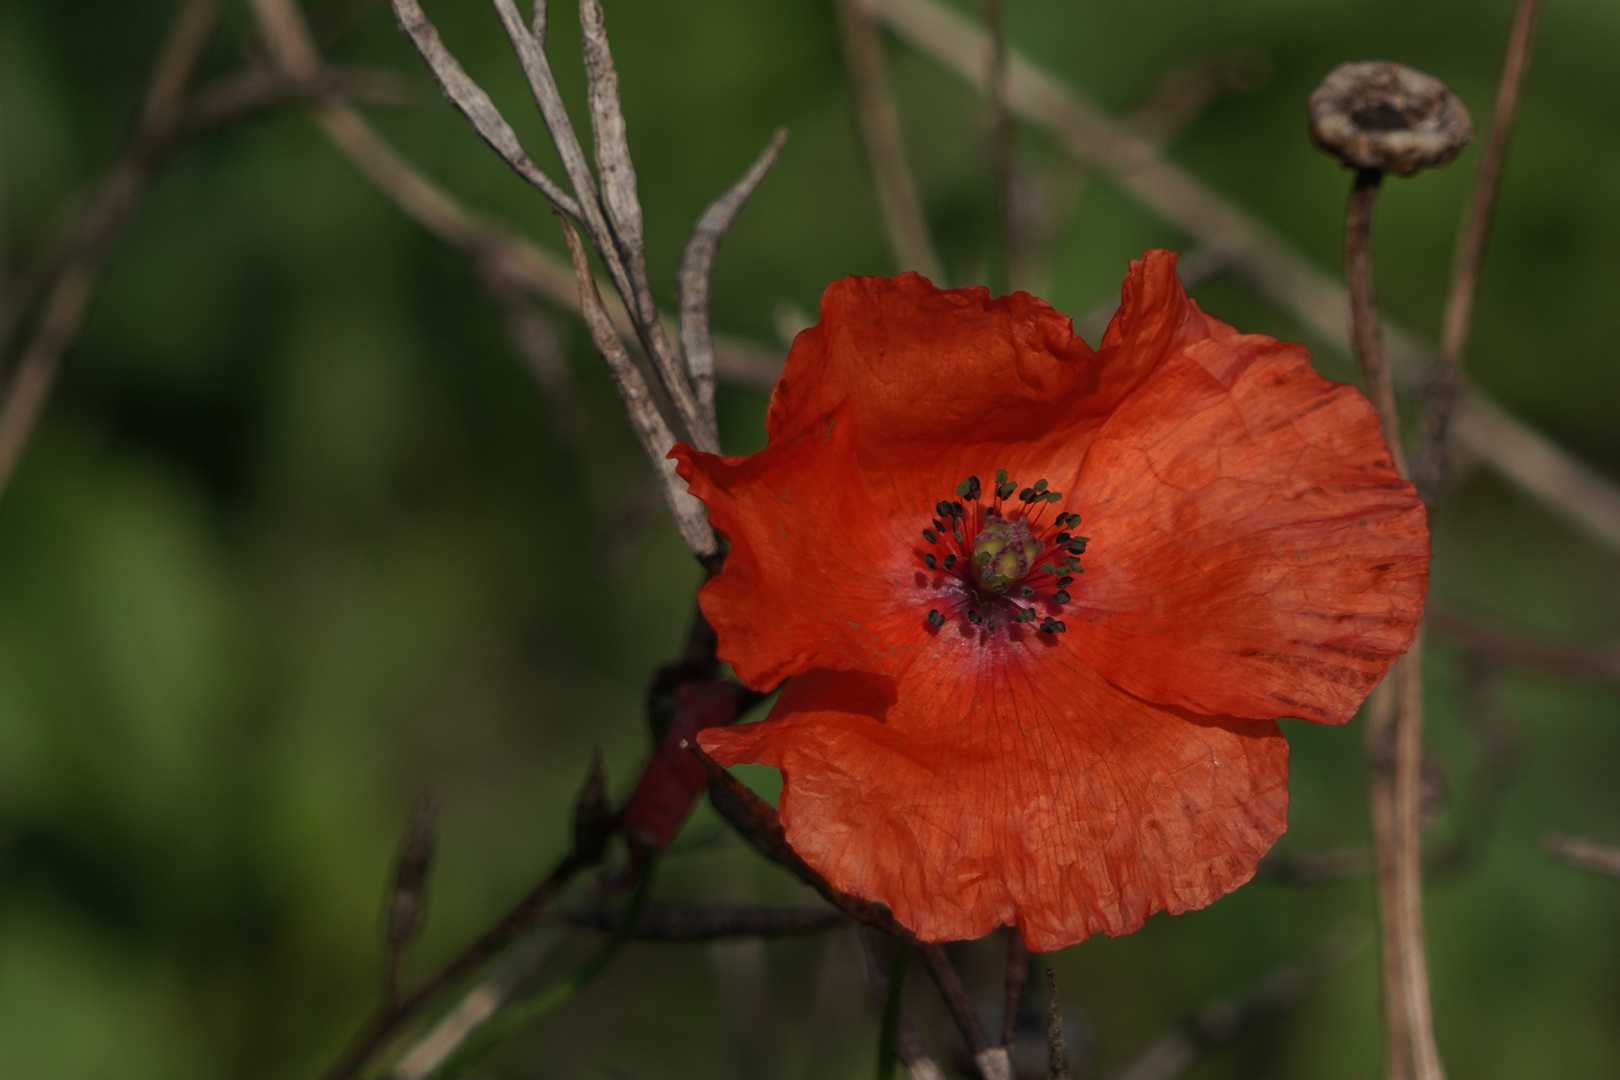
{"x":622,"y":255}
{"x":697,"y":264}
{"x":1443,"y":390}
{"x":691,"y":519}
{"x":879,"y":123}
{"x":1278,"y":269}
{"x":471,"y":100}
{"x":1583,"y":853}
{"x":30,"y":379}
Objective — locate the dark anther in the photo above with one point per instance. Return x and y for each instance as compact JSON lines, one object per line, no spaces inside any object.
{"x":1060,"y":597}
{"x":1077,"y":546}
{"x":1063,"y":582}
{"x":969,"y":488}
{"x":1001,"y":477}
{"x":928,"y":535}
{"x":1027,"y":495}
{"x":1061,"y":538}
{"x":939,"y":526}
{"x":956,"y":510}
{"x":935,"y":619}
{"x":943,"y":509}
{"x":1006,"y":489}
{"x":1068,"y":521}
{"x":1026,"y":615}
{"x":1054,"y":496}
{"x":1052,"y":626}
{"x":958,"y":536}
{"x":929,"y":560}
{"x":950,"y":561}
{"x":1026,"y":590}
{"x":1040,"y":486}
{"x":974,"y":617}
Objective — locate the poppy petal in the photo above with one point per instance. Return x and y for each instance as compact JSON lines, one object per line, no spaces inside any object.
{"x":1253,"y":552}
{"x":982,"y":789}
{"x":818,"y":574}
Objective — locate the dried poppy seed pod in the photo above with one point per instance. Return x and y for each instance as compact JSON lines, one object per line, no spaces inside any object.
{"x":1377,"y":114}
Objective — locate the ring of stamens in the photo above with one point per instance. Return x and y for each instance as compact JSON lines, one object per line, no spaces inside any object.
{"x":1002,"y":551}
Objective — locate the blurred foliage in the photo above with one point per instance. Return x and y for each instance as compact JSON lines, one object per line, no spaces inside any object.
{"x":301,"y":536}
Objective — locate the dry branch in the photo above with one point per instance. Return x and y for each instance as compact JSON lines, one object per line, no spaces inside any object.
{"x":1582,"y":853}
{"x":1282,"y":274}
{"x":697,"y":264}
{"x":30,"y":379}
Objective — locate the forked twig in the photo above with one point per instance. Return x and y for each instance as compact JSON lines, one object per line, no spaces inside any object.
{"x":31,"y":377}
{"x":656,"y":438}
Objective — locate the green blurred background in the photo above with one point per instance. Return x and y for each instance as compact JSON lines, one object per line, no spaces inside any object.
{"x":301,"y":536}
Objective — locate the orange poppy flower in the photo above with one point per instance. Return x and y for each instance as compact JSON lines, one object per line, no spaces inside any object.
{"x":1039,"y":605}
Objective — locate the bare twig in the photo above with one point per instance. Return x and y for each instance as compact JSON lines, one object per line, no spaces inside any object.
{"x":1017,"y":976}
{"x":524,"y":916}
{"x":908,"y":1044}
{"x":690,"y":517}
{"x":1003,"y":159}
{"x":1502,"y":645}
{"x":1223,"y":1020}
{"x":1281,"y":273}
{"x":1408,"y":863}
{"x":31,"y":378}
{"x":1443,"y":391}
{"x":440,"y":1042}
{"x":697,"y":262}
{"x":1057,"y":1054}
{"x":1366,"y":335}
{"x":614,"y":233}
{"x":993,"y":1062}
{"x":756,"y":821}
{"x":715,"y":922}
{"x":408,"y":900}
{"x":1585,"y":854}
{"x":879,"y":124}
{"x":470,"y":98}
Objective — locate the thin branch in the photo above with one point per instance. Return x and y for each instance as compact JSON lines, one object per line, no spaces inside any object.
{"x":714,"y":923}
{"x":908,"y":1045}
{"x":1003,"y":161}
{"x":697,"y":263}
{"x":1443,"y":390}
{"x":408,"y":902}
{"x":441,"y":1041}
{"x":30,"y":380}
{"x":1366,"y":335}
{"x":1222,"y":1021}
{"x":473,"y":103}
{"x":1017,"y":976}
{"x":611,"y":145}
{"x":992,"y":1062}
{"x":1280,"y":272}
{"x":691,"y":519}
{"x":1503,"y":645}
{"x":756,"y":821}
{"x":1057,"y":1054}
{"x":628,"y":272}
{"x":1408,"y":862}
{"x":1582,"y":853}
{"x":879,"y":124}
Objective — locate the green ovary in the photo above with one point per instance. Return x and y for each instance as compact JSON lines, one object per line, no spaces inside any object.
{"x":1002,"y":554}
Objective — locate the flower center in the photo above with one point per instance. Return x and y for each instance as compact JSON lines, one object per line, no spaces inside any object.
{"x":999,"y":559}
